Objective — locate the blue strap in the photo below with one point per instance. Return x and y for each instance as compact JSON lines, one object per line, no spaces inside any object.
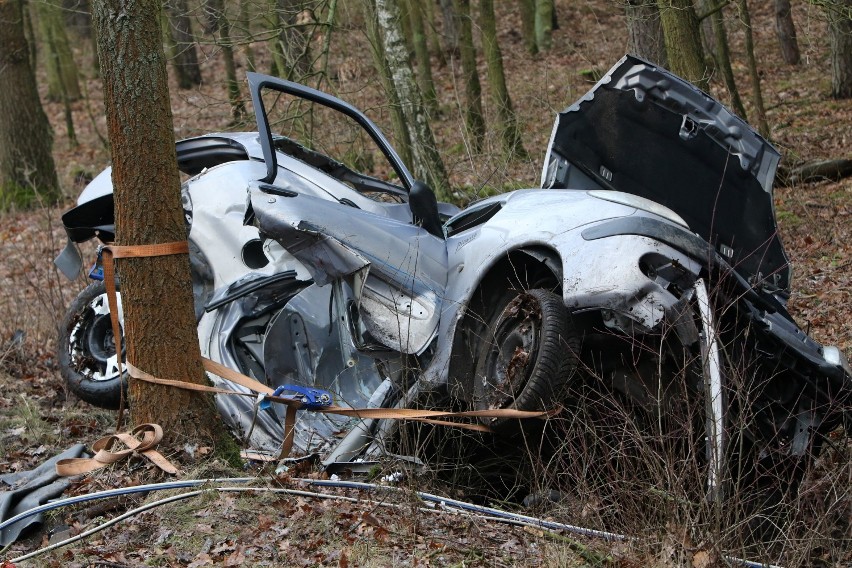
{"x":311,"y":398}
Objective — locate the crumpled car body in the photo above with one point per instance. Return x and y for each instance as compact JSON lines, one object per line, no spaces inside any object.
{"x":655,"y":212}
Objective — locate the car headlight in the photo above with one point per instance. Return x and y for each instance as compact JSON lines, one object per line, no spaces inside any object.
{"x":639,"y":203}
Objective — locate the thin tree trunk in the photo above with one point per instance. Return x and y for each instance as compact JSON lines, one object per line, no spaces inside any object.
{"x":427,"y":162}
{"x":449,"y":27}
{"x":683,"y":46}
{"x":62,"y":79}
{"x":473,"y":116}
{"x":246,"y":36}
{"x":510,"y":135}
{"x":29,"y":33}
{"x":159,"y":318}
{"x":757,"y":95}
{"x":840,"y":42}
{"x":290,"y":46}
{"x":219,"y":22}
{"x":424,"y":63}
{"x":185,"y":60}
{"x":528,"y":25}
{"x":645,"y":31}
{"x":723,"y":62}
{"x":402,"y":138}
{"x":544,"y":16}
{"x":785,"y":29}
{"x":26,"y":163}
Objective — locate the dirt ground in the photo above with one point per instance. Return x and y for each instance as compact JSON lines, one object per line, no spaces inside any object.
{"x":39,"y":418}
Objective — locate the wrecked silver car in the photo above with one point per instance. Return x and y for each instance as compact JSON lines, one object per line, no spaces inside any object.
{"x":648,"y":257}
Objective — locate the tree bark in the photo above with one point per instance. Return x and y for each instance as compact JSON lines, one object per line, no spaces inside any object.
{"x":723,"y":61}
{"x":416,"y":14}
{"x":427,"y":163}
{"x":785,"y":30}
{"x":290,"y":46}
{"x":544,"y":16}
{"x":473,"y":116}
{"x":645,"y":31}
{"x":528,"y":25}
{"x":185,"y":61}
{"x":402,"y":138}
{"x":159,"y":318}
{"x":683,"y":45}
{"x":756,"y":94}
{"x":510,"y":135}
{"x":246,"y":37}
{"x":839,"y":14}
{"x":26,"y":163}
{"x":449,"y":27}
{"x":219,"y":23}
{"x":62,"y":79}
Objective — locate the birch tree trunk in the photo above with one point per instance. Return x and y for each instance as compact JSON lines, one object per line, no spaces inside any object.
{"x":159,"y":318}
{"x":427,"y":163}
{"x":402,"y":138}
{"x":510,"y":135}
{"x":26,"y":162}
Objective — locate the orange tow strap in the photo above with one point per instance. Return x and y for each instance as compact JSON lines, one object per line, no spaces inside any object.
{"x":429,"y":416}
{"x":151,"y":434}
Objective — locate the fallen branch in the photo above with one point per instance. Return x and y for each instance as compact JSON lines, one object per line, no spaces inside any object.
{"x":822,"y":170}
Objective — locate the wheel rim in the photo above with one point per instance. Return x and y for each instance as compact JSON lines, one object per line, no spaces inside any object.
{"x":92,"y":343}
{"x":510,"y":359}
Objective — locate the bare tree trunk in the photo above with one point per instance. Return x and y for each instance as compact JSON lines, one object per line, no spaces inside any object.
{"x":449,"y":26}
{"x":840,"y":41}
{"x":683,"y":46}
{"x":290,"y":47}
{"x":473,"y":116}
{"x":245,"y":34}
{"x":510,"y":135}
{"x":757,"y":95}
{"x":427,"y":163}
{"x":645,"y":31}
{"x":221,"y":24}
{"x":544,"y":16}
{"x":26,"y":162}
{"x":185,"y":60}
{"x":62,"y":80}
{"x":785,"y":29}
{"x":416,"y":15}
{"x":723,"y":62}
{"x":402,"y":138}
{"x":159,"y":318}
{"x":528,"y":25}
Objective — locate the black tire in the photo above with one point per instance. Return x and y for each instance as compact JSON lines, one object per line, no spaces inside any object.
{"x":527,"y":355}
{"x":86,"y":343}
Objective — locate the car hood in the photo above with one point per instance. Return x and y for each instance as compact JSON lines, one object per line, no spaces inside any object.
{"x":644,"y":131}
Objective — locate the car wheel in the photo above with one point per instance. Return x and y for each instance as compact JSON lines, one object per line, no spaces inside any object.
{"x":527,"y":355}
{"x":87,"y":357}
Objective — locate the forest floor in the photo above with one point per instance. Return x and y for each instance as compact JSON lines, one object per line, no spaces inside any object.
{"x":39,"y":418}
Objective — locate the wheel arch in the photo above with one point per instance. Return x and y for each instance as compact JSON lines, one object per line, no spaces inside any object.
{"x":528,"y":267}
